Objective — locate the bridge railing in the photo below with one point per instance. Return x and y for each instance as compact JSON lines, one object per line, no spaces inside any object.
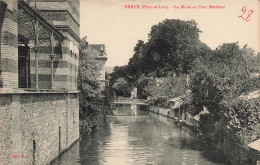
{"x":125,"y":99}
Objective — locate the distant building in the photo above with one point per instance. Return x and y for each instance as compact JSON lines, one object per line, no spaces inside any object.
{"x":109,"y":69}
{"x":134,"y":93}
{"x":99,"y":52}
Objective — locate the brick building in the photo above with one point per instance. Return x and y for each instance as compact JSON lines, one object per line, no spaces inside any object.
{"x":99,"y":52}
{"x":39,"y":110}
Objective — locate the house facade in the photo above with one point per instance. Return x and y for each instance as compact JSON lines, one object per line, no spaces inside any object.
{"x":39,"y":56}
{"x":98,"y":51}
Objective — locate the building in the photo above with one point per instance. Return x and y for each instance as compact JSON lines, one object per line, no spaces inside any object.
{"x":99,"y":52}
{"x":109,"y":69}
{"x":39,"y":108}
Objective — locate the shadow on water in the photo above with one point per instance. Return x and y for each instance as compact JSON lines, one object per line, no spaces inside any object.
{"x":90,"y":144}
{"x":133,"y":136}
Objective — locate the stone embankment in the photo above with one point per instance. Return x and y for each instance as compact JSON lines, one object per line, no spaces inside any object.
{"x":35,"y":128}
{"x":184,"y":118}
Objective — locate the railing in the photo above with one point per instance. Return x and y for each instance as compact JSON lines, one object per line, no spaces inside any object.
{"x":128,"y":100}
{"x":124,"y":99}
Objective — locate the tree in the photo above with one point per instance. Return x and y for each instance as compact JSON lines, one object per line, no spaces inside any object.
{"x":170,"y":47}
{"x":122,"y":87}
{"x":218,"y":77}
{"x":252,"y":59}
{"x":146,"y":87}
{"x":136,"y":63}
{"x":88,"y":84}
{"x":119,"y":72}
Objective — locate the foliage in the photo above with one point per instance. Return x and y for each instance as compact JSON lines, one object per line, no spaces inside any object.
{"x":122,"y":88}
{"x":170,"y":47}
{"x":218,"y":77}
{"x":118,"y":83}
{"x":217,"y":81}
{"x":160,"y":102}
{"x":130,"y":73}
{"x":238,"y":126}
{"x":88,"y":84}
{"x":174,"y":86}
{"x":136,"y":63}
{"x":170,"y":50}
{"x":159,"y":90}
{"x":252,"y":59}
{"x":119,"y":72}
{"x":242,"y":115}
{"x":174,"y":62}
{"x":145,"y":87}
{"x":108,"y":94}
{"x":250,"y":85}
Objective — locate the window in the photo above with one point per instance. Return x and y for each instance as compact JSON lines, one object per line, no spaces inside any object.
{"x":24,"y":66}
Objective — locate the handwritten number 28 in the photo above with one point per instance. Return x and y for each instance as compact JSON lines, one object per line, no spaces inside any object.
{"x":248,"y":14}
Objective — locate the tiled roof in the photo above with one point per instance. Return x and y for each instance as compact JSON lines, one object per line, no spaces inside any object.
{"x":252,"y":95}
{"x":101,"y":48}
{"x":255,"y":145}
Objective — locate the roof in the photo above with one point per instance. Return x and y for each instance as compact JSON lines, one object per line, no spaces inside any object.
{"x":101,"y":48}
{"x":26,"y":16}
{"x":197,"y":117}
{"x":204,"y":111}
{"x":177,"y":105}
{"x":252,"y":95}
{"x":254,"y":75}
{"x":91,"y":50}
{"x":175,"y":99}
{"x":255,"y":145}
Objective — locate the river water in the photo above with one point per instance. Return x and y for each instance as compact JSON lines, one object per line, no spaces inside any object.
{"x":136,"y":137}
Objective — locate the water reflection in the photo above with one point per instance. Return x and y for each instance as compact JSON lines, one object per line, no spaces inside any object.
{"x":135,"y":137}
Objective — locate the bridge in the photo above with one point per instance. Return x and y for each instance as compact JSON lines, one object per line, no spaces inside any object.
{"x":129,"y":101}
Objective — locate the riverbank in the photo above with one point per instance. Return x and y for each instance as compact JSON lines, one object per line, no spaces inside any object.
{"x":228,"y":152}
{"x":169,"y":113}
{"x":136,"y":138}
{"x":91,"y":123}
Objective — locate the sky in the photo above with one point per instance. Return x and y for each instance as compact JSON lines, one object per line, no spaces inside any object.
{"x":109,"y":22}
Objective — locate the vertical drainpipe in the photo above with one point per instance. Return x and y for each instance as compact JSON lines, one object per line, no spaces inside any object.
{"x":27,"y":65}
{"x":75,"y":72}
{"x":2,"y":16}
{"x":52,"y":56}
{"x":36,"y":54}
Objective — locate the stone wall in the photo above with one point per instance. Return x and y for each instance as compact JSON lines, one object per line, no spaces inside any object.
{"x":37,"y":127}
{"x":162,"y":111}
